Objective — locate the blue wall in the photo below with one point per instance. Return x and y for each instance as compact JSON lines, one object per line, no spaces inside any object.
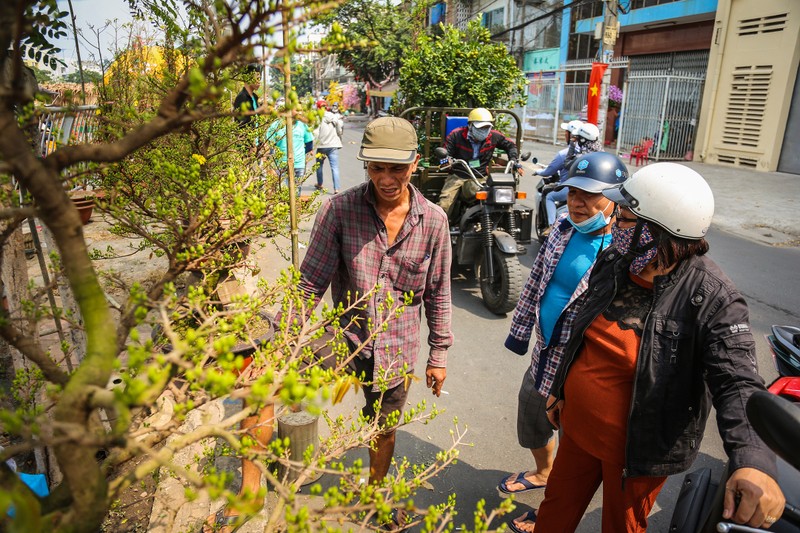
{"x":647,"y":15}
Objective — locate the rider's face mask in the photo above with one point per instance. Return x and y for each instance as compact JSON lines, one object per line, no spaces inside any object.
{"x":479,"y":134}
{"x":643,"y":252}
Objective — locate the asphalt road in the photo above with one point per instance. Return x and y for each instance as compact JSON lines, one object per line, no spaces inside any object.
{"x":483,"y":378}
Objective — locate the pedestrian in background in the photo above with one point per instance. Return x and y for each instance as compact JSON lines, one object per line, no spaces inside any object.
{"x":246,"y":102}
{"x":302,"y":144}
{"x":662,"y":334}
{"x":329,"y":142}
{"x":560,"y":275}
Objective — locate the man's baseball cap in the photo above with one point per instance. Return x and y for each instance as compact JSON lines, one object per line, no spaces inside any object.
{"x":389,"y":140}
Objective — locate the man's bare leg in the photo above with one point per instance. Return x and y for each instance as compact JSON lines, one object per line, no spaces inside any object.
{"x":543,"y":457}
{"x":380,"y":456}
{"x":261,"y":428}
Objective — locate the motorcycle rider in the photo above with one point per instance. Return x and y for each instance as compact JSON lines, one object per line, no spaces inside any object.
{"x":556,"y":166}
{"x":560,"y":274}
{"x":584,"y":140}
{"x":475,"y":143}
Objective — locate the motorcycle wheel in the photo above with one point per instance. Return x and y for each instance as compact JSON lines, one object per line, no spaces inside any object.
{"x":540,"y":236}
{"x":500,"y":295}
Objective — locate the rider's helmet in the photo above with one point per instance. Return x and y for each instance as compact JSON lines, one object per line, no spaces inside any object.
{"x":573,"y":126}
{"x":673,"y":196}
{"x":588,"y":132}
{"x":595,"y":172}
{"x":322,"y":104}
{"x":480,"y":117}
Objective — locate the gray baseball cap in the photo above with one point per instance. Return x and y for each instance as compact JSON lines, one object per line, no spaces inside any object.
{"x":389,"y":140}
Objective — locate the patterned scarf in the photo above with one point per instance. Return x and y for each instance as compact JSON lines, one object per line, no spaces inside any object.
{"x":645,"y":249}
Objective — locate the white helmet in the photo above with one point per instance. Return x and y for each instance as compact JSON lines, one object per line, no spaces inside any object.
{"x":671,"y":195}
{"x":588,"y":131}
{"x":573,"y":126}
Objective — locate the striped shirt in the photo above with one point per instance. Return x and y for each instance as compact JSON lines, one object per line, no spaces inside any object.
{"x":546,"y":358}
{"x":349,"y":251}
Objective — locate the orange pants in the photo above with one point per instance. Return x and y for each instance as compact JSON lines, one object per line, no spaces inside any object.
{"x":573,"y":481}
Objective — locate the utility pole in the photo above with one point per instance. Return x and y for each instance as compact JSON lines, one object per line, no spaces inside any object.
{"x":606,"y":51}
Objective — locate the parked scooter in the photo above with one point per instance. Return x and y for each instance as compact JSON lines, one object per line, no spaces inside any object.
{"x":784,"y":342}
{"x":775,"y":415}
{"x":490,"y":233}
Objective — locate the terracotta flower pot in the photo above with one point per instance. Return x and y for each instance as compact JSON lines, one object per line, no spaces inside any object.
{"x":85,"y":206}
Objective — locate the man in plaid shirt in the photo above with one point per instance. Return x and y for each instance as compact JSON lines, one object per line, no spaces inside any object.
{"x":549,"y":304}
{"x":385,"y":233}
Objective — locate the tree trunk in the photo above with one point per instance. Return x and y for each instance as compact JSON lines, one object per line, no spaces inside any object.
{"x":15,"y":282}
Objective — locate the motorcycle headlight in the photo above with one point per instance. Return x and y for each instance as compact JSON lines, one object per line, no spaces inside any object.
{"x":503,"y":195}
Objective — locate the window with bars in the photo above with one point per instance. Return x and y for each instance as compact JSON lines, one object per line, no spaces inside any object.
{"x":494,"y":19}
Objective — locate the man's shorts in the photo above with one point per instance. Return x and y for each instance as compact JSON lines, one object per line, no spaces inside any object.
{"x":534,"y":430}
{"x":394,"y":399}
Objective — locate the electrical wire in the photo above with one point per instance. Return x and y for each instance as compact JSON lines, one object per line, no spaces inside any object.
{"x":542,"y":17}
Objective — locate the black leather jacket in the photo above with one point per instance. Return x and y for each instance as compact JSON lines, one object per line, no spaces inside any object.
{"x":696,"y":348}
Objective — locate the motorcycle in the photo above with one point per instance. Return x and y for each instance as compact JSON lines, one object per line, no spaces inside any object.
{"x":490,"y":232}
{"x":775,"y":415}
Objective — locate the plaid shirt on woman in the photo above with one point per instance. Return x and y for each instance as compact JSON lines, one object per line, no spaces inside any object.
{"x":349,"y":251}
{"x":545,"y":359}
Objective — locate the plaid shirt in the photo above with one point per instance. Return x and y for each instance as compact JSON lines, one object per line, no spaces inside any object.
{"x":349,"y":251}
{"x":545,"y":359}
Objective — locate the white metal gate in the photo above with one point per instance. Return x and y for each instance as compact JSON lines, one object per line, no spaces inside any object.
{"x":664,"y":108}
{"x":551,"y":102}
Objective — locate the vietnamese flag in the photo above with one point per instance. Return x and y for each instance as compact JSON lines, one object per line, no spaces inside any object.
{"x":595,"y":84}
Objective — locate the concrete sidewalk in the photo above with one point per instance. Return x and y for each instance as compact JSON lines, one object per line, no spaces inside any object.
{"x":761,"y":206}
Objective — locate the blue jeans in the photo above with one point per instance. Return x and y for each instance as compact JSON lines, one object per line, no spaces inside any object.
{"x":550,"y":201}
{"x":332,"y":154}
{"x":298,"y":175}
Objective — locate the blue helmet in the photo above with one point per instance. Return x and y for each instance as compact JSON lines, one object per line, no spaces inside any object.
{"x":595,"y":172}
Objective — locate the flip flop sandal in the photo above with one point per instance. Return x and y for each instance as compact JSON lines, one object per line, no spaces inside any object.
{"x":530,"y":516}
{"x":399,"y":520}
{"x":502,"y":487}
{"x":220,"y":520}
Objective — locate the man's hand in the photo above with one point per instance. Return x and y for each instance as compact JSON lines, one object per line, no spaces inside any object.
{"x":761,"y":501}
{"x":434,"y":378}
{"x":554,"y":411}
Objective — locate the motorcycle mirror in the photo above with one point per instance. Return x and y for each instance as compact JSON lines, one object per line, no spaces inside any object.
{"x":525,"y":156}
